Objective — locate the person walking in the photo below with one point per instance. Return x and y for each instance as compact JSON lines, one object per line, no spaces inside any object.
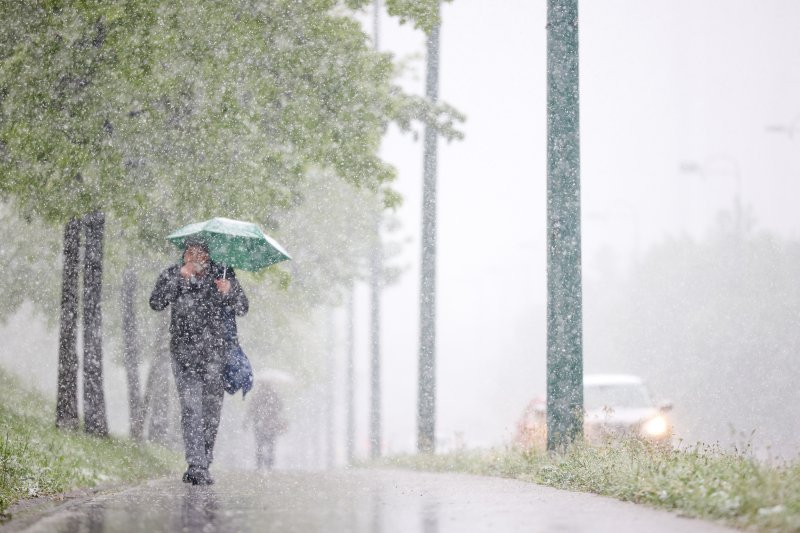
{"x":199,"y":293}
{"x":265,"y":412}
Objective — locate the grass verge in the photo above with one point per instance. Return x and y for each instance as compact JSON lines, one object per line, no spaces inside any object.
{"x":703,"y":481}
{"x":38,"y":460}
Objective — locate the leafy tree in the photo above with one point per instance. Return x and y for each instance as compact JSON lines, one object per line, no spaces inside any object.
{"x":152,"y":115}
{"x":423,"y":14}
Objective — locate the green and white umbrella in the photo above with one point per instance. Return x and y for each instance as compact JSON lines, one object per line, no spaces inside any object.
{"x":233,"y":243}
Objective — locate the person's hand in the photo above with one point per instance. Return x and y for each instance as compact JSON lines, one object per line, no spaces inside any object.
{"x":223,"y":285}
{"x":187,"y":270}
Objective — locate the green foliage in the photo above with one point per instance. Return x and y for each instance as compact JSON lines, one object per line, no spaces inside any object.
{"x":424,"y":14}
{"x":144,"y":105}
{"x":29,"y":260}
{"x":701,"y":481}
{"x":163,"y":114}
{"x":38,"y":460}
{"x":147,"y":109}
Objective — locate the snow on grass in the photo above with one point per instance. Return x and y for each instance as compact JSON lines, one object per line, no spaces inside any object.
{"x":37,"y":460}
{"x":700,"y":481}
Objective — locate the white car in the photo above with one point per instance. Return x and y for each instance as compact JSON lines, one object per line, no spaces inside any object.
{"x":620,"y":404}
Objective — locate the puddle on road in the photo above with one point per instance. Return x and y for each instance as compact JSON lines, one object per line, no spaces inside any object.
{"x":358,"y":501}
{"x":286,"y":502}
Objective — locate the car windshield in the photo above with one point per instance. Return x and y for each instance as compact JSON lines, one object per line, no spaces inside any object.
{"x":615,"y":396}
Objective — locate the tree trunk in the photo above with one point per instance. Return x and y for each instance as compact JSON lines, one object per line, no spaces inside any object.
{"x":156,"y":399}
{"x":130,"y":353}
{"x":67,"y":393}
{"x":94,"y":404}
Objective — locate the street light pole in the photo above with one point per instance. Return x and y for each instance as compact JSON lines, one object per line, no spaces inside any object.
{"x":426,"y":418}
{"x":350,"y":437}
{"x":375,"y":348}
{"x":564,"y":292}
{"x":376,"y":282}
{"x":330,"y":396}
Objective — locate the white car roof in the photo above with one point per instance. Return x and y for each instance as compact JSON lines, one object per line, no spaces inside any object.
{"x":597,"y":380}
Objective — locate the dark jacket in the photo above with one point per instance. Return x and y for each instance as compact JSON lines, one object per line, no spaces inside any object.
{"x":197,"y":307}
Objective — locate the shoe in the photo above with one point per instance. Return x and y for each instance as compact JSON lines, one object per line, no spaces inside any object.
{"x":205,"y":477}
{"x":197,"y":476}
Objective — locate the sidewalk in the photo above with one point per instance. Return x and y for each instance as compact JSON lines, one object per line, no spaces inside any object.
{"x":361,"y":501}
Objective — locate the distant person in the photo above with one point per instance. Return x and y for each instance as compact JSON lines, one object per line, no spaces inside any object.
{"x":265,"y":413}
{"x":199,"y":293}
{"x":532,"y":426}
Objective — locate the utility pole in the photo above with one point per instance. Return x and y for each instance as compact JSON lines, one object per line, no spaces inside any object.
{"x":564,"y":298}
{"x":349,"y":393}
{"x":426,"y":416}
{"x":130,"y":352}
{"x":375,"y":347}
{"x":330,"y":396}
{"x":376,"y":279}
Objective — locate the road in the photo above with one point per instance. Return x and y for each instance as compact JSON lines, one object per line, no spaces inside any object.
{"x":358,"y":501}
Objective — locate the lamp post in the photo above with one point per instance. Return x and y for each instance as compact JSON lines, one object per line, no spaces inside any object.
{"x":789,"y":129}
{"x":564,"y":284}
{"x":349,"y":389}
{"x":426,"y":408}
{"x":376,"y":286}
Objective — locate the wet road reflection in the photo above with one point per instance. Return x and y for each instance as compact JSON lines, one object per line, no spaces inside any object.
{"x":430,"y":516}
{"x":359,"y":501}
{"x":199,"y":510}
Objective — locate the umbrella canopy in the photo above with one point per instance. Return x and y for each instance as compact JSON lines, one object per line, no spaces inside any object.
{"x":275,"y":375}
{"x":233,"y":243}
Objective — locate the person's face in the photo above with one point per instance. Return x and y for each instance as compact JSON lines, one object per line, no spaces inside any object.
{"x":196,"y":256}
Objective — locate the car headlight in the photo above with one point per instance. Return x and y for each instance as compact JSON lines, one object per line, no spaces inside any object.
{"x":655,"y":427}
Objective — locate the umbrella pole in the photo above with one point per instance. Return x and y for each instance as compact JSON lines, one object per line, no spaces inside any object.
{"x":224,"y":271}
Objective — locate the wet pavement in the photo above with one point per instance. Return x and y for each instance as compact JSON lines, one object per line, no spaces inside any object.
{"x":358,"y":501}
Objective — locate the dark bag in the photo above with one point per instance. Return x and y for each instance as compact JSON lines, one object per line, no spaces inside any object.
{"x":238,"y":373}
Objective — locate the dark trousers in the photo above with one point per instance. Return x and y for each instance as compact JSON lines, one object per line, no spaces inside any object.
{"x":265,"y":451}
{"x":198,"y":378}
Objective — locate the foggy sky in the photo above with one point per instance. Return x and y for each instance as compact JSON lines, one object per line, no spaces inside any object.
{"x":662,"y":83}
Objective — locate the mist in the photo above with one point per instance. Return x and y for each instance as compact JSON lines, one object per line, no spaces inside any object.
{"x":689,"y":164}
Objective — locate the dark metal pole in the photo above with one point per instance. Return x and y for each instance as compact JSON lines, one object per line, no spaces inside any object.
{"x":375,"y":342}
{"x":350,"y":438}
{"x":376,"y":20}
{"x":426,"y":417}
{"x":564,"y":299}
{"x":376,"y":282}
{"x":330,"y":397}
{"x":130,"y":352}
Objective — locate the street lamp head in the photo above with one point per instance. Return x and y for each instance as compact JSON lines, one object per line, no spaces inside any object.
{"x":781,"y":129}
{"x":789,"y":129}
{"x":690,"y":167}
